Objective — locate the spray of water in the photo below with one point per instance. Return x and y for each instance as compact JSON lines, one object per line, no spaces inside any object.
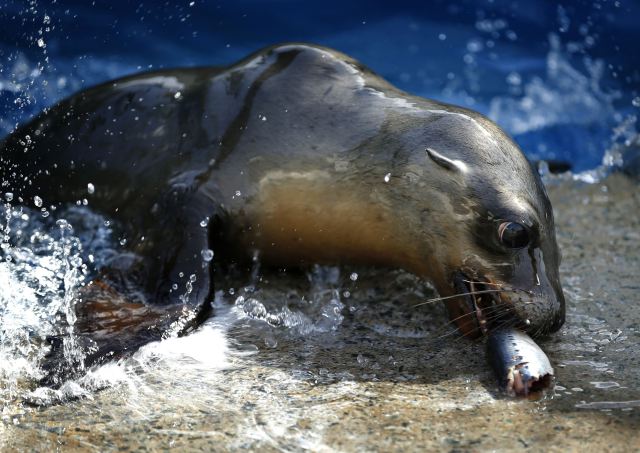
{"x":42,"y":266}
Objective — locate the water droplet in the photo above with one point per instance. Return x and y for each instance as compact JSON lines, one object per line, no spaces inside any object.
{"x":91,"y":188}
{"x":475,"y":45}
{"x":41,"y":43}
{"x":178,"y":95}
{"x":387,"y":177}
{"x":253,"y":308}
{"x":238,"y":193}
{"x":442,"y":36}
{"x":563,"y":19}
{"x":37,"y":201}
{"x":270,"y":341}
{"x":354,"y":276}
{"x":8,"y":196}
{"x":207,"y":255}
{"x":204,"y":222}
{"x":514,"y":78}
{"x":636,"y":101}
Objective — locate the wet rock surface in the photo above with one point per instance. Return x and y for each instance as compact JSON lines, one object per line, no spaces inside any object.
{"x":354,"y":366}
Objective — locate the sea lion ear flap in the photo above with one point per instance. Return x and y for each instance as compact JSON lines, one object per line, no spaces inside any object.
{"x":445,"y":162}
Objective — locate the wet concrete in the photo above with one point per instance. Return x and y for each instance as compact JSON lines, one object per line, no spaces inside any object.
{"x":387,"y":377}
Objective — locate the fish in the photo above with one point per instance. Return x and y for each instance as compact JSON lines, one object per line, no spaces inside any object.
{"x":521,"y":366}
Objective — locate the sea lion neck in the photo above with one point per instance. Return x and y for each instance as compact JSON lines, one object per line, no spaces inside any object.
{"x":309,"y":217}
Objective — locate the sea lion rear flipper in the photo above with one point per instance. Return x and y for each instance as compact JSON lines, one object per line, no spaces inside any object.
{"x":128,"y":308}
{"x":109,"y":325}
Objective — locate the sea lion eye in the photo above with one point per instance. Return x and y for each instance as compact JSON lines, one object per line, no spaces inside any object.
{"x":513,"y":235}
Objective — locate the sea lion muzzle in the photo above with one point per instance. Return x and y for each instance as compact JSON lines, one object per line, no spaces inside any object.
{"x":529,"y":298}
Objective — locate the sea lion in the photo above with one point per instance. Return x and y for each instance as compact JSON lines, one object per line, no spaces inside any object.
{"x":304,"y":155}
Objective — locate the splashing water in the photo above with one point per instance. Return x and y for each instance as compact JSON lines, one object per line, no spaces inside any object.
{"x":42,"y":265}
{"x":567,"y":111}
{"x":48,"y":256}
{"x":565,"y":96}
{"x":322,"y":312}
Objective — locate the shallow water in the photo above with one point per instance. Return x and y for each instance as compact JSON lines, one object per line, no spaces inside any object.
{"x":351,"y":364}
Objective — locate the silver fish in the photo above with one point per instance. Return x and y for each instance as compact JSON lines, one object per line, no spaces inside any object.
{"x":521,"y":366}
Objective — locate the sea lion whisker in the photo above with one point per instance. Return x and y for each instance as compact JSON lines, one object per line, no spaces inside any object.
{"x":509,"y":322}
{"x":448,"y":334}
{"x":446,"y":330}
{"x":472,"y":282}
{"x":498,"y":314}
{"x":458,"y":318}
{"x":490,"y":311}
{"x":470,"y":293}
{"x":451,"y":332}
{"x":505,"y":288}
{"x":491,"y":314}
{"x":494,"y":312}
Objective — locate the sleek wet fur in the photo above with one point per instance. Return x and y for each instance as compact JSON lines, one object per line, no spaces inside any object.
{"x":303,"y":155}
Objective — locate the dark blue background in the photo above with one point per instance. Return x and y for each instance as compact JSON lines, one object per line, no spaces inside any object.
{"x":498,"y":57}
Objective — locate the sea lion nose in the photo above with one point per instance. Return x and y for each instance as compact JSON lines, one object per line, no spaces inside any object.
{"x":542,"y":313}
{"x":559,"y":318}
{"x":540,"y":308}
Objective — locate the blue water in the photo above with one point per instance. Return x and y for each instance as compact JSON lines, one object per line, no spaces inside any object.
{"x":561,"y":78}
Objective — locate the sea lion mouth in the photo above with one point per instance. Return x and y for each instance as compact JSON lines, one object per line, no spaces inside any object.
{"x":482,"y":303}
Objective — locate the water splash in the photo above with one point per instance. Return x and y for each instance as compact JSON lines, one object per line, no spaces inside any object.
{"x":43,"y":263}
{"x":565,"y":96}
{"x":320,"y":312}
{"x":46,"y":260}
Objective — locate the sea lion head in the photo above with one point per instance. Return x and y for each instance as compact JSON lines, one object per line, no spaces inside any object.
{"x":487,"y":216}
